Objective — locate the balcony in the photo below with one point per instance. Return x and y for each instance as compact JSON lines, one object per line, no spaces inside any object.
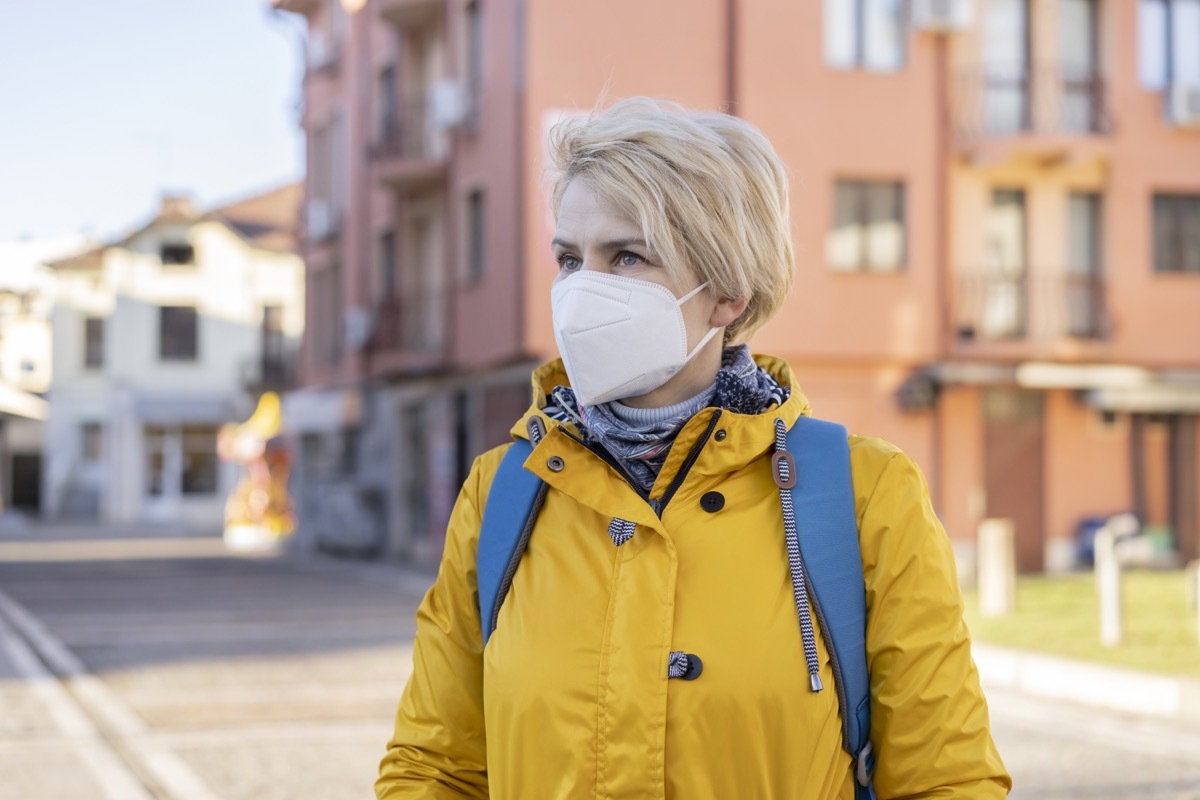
{"x":269,"y":372}
{"x":410,"y":153}
{"x":407,"y":14}
{"x":1045,"y":111}
{"x":411,"y":331}
{"x":1043,"y":308}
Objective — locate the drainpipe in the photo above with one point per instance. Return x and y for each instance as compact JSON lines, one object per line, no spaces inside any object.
{"x":521,"y":60}
{"x":941,"y":260}
{"x":731,"y":54}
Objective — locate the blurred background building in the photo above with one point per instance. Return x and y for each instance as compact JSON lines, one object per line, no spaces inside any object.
{"x":160,"y":338}
{"x":996,"y":206}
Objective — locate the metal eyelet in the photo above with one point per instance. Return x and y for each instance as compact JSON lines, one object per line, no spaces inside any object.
{"x":555,"y":464}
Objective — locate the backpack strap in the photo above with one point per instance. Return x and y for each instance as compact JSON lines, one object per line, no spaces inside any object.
{"x":826,"y":516}
{"x":512,"y":507}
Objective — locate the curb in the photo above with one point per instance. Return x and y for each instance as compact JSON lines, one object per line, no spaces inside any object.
{"x":1114,"y":688}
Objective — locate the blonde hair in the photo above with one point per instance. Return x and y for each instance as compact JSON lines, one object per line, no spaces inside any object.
{"x":707,"y":189}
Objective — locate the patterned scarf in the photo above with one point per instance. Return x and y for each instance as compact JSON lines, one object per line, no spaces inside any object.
{"x":741,"y":386}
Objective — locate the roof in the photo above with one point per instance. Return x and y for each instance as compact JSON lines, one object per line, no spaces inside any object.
{"x":88,"y":259}
{"x":266,"y":220}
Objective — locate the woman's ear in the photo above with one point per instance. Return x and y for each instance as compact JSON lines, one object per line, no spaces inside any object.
{"x":726,"y":311}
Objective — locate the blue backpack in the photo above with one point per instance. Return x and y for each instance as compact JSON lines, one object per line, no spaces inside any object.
{"x":820,"y":495}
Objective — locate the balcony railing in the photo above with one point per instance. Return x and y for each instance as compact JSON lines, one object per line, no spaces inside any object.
{"x":1039,"y":98}
{"x":414,"y":321}
{"x":412,"y":13}
{"x":997,"y":307}
{"x":410,"y":152}
{"x":268,"y":372}
{"x":405,"y":131}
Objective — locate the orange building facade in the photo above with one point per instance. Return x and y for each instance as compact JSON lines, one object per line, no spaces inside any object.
{"x":996,"y":206}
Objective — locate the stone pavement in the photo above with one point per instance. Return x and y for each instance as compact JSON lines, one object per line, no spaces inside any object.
{"x":146,"y":664}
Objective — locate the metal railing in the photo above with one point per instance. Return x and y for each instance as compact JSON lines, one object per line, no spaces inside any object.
{"x":269,"y":372}
{"x":1041,"y":97}
{"x":415,"y":320}
{"x":406,"y":132}
{"x":993,"y":306}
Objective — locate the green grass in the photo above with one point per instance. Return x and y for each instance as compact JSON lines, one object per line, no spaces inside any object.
{"x":1060,"y":615}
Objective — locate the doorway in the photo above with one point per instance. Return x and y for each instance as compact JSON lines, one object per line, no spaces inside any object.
{"x":1014,"y":469}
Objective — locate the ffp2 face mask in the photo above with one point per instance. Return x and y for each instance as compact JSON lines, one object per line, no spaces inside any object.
{"x":619,"y":337}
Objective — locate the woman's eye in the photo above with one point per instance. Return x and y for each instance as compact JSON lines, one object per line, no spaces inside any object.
{"x":630,"y":259}
{"x":569,"y":263}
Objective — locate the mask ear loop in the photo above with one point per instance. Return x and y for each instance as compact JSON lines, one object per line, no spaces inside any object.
{"x":711,"y":331}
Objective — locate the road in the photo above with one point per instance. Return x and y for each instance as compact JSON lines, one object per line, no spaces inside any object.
{"x":142,"y":668}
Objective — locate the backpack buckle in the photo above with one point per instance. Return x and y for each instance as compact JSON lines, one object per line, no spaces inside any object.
{"x":866,"y":765}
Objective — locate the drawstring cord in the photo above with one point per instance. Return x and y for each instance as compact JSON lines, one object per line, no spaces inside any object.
{"x":785,"y":476}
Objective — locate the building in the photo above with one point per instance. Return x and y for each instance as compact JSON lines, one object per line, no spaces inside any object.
{"x":26,"y":300}
{"x":159,"y":339}
{"x":995,"y":209}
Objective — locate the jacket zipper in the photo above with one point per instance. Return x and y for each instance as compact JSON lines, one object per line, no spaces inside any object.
{"x":692,"y":455}
{"x":659,"y":505}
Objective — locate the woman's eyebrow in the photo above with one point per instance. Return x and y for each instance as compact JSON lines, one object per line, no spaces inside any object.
{"x":614,"y":244}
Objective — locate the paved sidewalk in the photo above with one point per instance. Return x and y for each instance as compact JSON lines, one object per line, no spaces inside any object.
{"x":1099,"y":685}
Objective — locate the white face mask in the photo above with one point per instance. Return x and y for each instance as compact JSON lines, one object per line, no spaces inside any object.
{"x":619,"y":337}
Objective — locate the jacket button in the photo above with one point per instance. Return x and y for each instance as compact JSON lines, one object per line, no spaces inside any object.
{"x":720,"y":437}
{"x":712,"y":502}
{"x":694,"y":668}
{"x":555,"y":464}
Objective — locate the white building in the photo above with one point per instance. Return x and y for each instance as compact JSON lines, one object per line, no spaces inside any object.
{"x":26,"y":300}
{"x":159,"y":339}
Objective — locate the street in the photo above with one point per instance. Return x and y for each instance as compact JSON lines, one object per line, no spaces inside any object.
{"x":159,"y":667}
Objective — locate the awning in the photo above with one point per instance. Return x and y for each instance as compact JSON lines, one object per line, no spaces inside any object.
{"x":321,"y":410}
{"x":1158,"y":398}
{"x":184,"y":409}
{"x":20,"y":403}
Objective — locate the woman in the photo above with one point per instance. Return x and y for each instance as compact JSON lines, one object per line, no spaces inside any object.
{"x":661,"y":532}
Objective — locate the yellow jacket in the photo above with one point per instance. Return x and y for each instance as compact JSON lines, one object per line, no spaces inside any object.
{"x":571,"y":698}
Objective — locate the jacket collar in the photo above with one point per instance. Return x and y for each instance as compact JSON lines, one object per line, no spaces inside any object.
{"x":551,"y":374}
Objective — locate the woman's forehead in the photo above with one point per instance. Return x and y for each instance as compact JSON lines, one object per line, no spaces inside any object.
{"x":585,"y":215}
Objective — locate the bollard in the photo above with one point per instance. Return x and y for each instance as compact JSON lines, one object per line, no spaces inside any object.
{"x":1192,"y":583}
{"x":997,"y":568}
{"x":1193,"y":588}
{"x":1108,"y":584}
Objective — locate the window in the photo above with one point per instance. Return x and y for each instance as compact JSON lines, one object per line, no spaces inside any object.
{"x":476,"y":235}
{"x":177,"y":333}
{"x":326,"y":299}
{"x":868,"y":227}
{"x":274,"y":368}
{"x":474,"y":55}
{"x":199,"y":475}
{"x":1168,"y":42}
{"x":181,"y":460}
{"x":177,"y":254}
{"x":155,"y":438}
{"x":93,"y":347}
{"x":1085,"y":289}
{"x":387,"y":265}
{"x":387,"y":118}
{"x":92,"y":441}
{"x":1006,"y":46}
{"x":1177,"y":233}
{"x":867,"y":34}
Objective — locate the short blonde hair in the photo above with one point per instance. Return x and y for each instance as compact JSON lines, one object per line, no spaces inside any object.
{"x":707,"y":189}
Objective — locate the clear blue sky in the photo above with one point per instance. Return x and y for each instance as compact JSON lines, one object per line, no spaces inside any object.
{"x":104,"y":105}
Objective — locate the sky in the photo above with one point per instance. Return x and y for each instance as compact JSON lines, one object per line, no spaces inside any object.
{"x":106,"y":105}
